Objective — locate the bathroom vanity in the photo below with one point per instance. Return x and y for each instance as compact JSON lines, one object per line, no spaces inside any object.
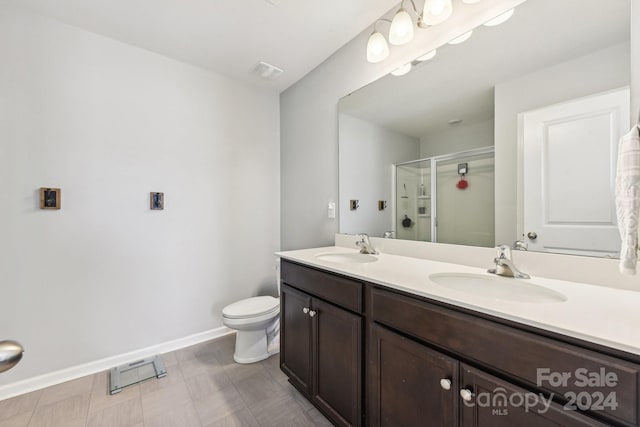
{"x":381,"y":342}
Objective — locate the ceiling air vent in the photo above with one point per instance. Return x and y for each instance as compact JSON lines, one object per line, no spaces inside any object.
{"x":266,"y":71}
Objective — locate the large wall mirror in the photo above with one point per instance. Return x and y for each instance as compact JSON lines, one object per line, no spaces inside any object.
{"x":510,"y":135}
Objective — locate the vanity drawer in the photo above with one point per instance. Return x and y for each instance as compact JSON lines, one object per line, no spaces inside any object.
{"x":337,"y":289}
{"x":517,"y":353}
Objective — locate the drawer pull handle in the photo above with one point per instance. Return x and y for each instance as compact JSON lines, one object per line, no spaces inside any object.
{"x":466,"y":395}
{"x":305,"y":310}
{"x":445,"y":383}
{"x":312,"y":313}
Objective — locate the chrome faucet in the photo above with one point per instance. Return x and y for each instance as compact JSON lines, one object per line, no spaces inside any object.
{"x":520,"y":245}
{"x":365,"y":245}
{"x":504,"y":264}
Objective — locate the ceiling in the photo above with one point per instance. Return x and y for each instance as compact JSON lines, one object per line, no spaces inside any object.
{"x":458,"y":83}
{"x":225,"y":36}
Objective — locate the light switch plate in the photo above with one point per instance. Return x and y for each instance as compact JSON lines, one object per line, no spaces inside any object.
{"x":331,"y":210}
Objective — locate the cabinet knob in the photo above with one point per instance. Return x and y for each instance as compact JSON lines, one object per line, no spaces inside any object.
{"x":445,"y":383}
{"x":305,"y":310}
{"x":466,"y":395}
{"x":312,"y":313}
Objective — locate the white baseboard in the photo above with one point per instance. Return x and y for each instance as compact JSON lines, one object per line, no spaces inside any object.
{"x":52,"y":378}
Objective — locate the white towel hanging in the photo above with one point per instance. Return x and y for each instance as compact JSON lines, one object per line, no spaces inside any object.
{"x":628,"y":198}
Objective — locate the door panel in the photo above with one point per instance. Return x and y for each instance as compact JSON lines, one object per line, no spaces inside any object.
{"x":405,"y":383}
{"x":295,"y":338}
{"x":337,"y":367}
{"x":568,"y":159}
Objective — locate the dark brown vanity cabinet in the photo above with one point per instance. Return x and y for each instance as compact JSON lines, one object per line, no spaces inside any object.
{"x":433,"y":364}
{"x":410,"y":329}
{"x":321,"y":341}
{"x":296,"y":340}
{"x":409,"y":383}
{"x":490,"y":406}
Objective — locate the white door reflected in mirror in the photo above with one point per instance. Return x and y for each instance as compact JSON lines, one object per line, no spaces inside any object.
{"x":568,"y":154}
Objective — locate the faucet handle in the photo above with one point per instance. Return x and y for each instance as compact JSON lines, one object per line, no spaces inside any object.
{"x":520,"y":245}
{"x":504,"y":251}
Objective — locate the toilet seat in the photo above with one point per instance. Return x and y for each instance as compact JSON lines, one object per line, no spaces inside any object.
{"x":252,"y":307}
{"x":256,"y":322}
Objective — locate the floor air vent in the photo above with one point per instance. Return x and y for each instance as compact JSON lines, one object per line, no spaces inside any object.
{"x":135,"y":372}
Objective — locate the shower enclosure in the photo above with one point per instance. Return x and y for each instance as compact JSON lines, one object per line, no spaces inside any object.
{"x":446,"y":199}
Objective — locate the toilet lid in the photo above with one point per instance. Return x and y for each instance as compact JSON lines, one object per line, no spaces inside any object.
{"x":251,"y":307}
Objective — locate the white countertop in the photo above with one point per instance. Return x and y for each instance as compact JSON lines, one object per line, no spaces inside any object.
{"x":605,"y":316}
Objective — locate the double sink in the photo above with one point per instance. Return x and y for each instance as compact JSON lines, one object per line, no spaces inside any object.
{"x":489,"y":286}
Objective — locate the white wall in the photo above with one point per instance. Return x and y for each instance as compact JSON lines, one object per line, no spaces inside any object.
{"x":374,"y":149}
{"x":309,"y":121}
{"x":108,"y":123}
{"x":568,"y":80}
{"x":461,"y":137}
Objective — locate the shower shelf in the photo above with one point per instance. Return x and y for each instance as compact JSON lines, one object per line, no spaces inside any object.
{"x":424,"y":197}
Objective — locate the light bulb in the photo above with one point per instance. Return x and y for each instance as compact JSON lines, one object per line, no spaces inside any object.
{"x":401,"y":30}
{"x":402,"y":70}
{"x":427,"y":56}
{"x":436,"y":11}
{"x":377,"y":48}
{"x":461,"y":39}
{"x":500,"y":18}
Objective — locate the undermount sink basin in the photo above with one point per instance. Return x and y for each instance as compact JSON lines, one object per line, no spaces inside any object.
{"x":347,"y":258}
{"x":497,"y":288}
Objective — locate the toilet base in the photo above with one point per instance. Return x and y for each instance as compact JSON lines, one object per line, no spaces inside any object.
{"x":252,"y":346}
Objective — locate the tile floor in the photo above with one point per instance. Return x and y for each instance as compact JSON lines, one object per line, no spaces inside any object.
{"x":204,"y":387}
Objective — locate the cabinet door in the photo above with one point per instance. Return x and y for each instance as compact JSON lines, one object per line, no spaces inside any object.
{"x":295,"y":338}
{"x":337,"y":361}
{"x":410,"y":384}
{"x":497,"y":403}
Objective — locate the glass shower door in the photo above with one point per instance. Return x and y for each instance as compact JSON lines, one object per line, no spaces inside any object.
{"x":465,"y":202}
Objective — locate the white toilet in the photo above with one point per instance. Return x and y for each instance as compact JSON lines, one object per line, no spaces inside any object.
{"x":257,"y":322}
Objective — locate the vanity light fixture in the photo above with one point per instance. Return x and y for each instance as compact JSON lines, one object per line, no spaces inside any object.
{"x":461,"y":39}
{"x":401,"y":31}
{"x":402,"y":70}
{"x":377,"y":47}
{"x":500,"y":19}
{"x":427,"y":56}
{"x":436,"y":11}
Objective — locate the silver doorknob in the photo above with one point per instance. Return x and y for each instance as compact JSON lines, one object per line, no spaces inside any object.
{"x":445,"y":383}
{"x":312,"y":313}
{"x":532,"y":235}
{"x":305,"y":310}
{"x":10,"y":354}
{"x":466,"y":395}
